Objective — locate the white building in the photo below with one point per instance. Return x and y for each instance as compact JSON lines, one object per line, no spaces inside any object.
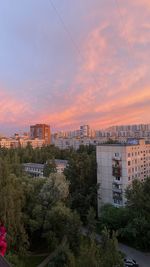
{"x":37,"y":170}
{"x":34,"y":169}
{"x":117,"y":166}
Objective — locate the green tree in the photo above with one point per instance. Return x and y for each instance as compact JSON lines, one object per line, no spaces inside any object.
{"x":63,"y":258}
{"x":12,"y":201}
{"x":49,"y":167}
{"x":82,"y":174}
{"x":62,"y":223}
{"x":110,"y":256}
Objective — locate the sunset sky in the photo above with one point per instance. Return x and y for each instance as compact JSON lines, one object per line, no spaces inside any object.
{"x":78,"y":61}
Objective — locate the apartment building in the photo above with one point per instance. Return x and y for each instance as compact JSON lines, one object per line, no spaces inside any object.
{"x":33,"y":142}
{"x":84,"y":131}
{"x":117,"y":166}
{"x":41,"y":131}
{"x":8,"y":143}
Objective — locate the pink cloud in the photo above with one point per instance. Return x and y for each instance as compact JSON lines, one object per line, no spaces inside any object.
{"x":12,"y":110}
{"x":111,"y":84}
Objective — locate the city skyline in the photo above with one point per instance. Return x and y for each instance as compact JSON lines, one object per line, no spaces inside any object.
{"x":68,"y":64}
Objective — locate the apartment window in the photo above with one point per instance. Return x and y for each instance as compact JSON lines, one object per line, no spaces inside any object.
{"x":129,"y":163}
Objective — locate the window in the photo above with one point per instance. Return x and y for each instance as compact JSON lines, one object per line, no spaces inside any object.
{"x":129,"y":163}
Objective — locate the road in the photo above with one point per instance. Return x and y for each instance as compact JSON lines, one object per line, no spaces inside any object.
{"x":143,"y":259}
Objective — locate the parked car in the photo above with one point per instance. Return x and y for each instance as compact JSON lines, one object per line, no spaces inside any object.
{"x":130,"y":263}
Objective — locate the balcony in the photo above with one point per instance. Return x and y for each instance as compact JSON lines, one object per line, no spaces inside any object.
{"x":117,"y":196}
{"x":117,"y":190}
{"x":117,"y":158}
{"x":117,"y":182}
{"x":116,"y":171}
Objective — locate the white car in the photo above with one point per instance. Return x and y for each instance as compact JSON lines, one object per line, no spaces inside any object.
{"x":130,"y":263}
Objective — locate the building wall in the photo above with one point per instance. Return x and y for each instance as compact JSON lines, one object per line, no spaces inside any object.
{"x":130,"y":161}
{"x":41,"y":131}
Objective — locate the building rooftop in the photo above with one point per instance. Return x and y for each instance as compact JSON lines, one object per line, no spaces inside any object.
{"x":33,"y":165}
{"x":130,"y":142}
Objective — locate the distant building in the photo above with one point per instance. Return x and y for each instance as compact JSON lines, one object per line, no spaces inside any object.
{"x":8,"y":143}
{"x":23,"y":142}
{"x":41,"y":131}
{"x":37,"y":170}
{"x":84,"y":131}
{"x":33,"y":169}
{"x":117,"y":166}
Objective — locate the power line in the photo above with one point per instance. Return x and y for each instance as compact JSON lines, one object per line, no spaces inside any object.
{"x":123,"y":25}
{"x":68,"y":32}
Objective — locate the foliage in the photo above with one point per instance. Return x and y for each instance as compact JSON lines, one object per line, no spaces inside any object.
{"x":109,"y":253}
{"x":112,"y":217}
{"x":25,"y":261}
{"x":104,"y":254}
{"x":12,"y":201}
{"x":49,"y":167}
{"x":63,"y":258}
{"x":82,"y":174}
{"x":133,"y":221}
{"x":47,"y":210}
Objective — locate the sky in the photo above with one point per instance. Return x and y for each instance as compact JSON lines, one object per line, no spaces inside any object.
{"x":68,"y":63}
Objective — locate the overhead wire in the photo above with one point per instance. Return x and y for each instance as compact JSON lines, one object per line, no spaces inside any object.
{"x":123,"y":26}
{"x":74,"y":43}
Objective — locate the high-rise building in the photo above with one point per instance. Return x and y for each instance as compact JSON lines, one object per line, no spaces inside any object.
{"x":117,"y":166}
{"x":84,"y":131}
{"x":41,"y":131}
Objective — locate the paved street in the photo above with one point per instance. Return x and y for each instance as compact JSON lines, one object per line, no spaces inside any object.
{"x":142,"y":258}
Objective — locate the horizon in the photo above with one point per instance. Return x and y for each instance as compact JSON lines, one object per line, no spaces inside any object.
{"x":70,"y":64}
{"x":53,"y":131}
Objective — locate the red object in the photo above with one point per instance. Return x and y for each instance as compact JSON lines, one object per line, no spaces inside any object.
{"x":3,"y":247}
{"x":3,"y":243}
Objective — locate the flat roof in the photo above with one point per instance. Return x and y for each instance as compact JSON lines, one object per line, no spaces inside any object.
{"x":125,"y":144}
{"x":37,"y":165}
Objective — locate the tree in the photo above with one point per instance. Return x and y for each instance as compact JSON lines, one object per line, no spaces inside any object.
{"x":112,"y":217}
{"x":132,"y":222}
{"x":49,"y":167}
{"x":43,"y":196}
{"x":91,"y":221}
{"x":12,"y":201}
{"x":62,"y":223}
{"x":104,"y":254}
{"x":63,"y":258}
{"x":82,"y":174}
{"x":137,"y":230}
{"x":110,"y":256}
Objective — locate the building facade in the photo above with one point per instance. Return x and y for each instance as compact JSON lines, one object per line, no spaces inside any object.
{"x":41,"y":131}
{"x":117,"y":166}
{"x":37,"y":170}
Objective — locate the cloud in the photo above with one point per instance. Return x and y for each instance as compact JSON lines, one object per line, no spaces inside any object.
{"x":107,"y":83}
{"x":12,"y":110}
